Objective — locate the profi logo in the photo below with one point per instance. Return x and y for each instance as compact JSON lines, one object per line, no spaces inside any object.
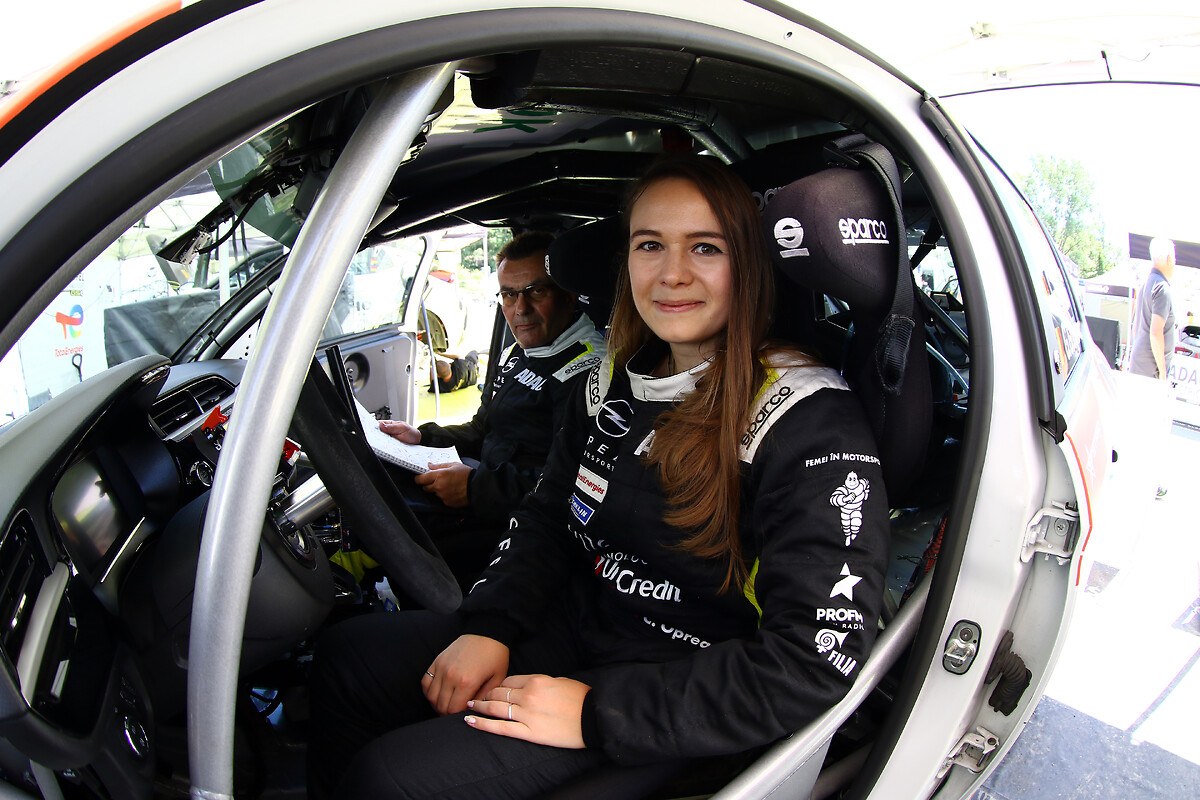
{"x":863,"y":231}
{"x":789,"y":234}
{"x":614,"y":417}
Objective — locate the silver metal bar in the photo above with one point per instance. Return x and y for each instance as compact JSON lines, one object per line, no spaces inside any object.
{"x":307,"y":502}
{"x":798,"y":757}
{"x":266,"y":401}
{"x":437,"y":391}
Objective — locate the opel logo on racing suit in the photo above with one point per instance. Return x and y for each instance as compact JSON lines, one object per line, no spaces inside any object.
{"x":614,"y":417}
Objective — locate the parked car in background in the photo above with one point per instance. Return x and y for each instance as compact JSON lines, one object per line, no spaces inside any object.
{"x":162,"y":560}
{"x":1184,"y":371}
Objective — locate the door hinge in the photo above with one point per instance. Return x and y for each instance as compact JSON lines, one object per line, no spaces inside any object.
{"x":973,"y":751}
{"x":1053,"y":530}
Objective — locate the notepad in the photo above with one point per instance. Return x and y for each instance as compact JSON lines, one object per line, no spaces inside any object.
{"x":414,"y":457}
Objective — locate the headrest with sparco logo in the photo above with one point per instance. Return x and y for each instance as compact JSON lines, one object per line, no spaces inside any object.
{"x":834,"y":232}
{"x":585,"y":261}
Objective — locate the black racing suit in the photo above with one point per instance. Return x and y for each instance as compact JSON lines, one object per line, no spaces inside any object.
{"x":587,"y":586}
{"x":676,"y":668}
{"x":510,"y":434}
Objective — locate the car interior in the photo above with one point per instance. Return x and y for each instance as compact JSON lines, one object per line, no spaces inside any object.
{"x":95,"y":689}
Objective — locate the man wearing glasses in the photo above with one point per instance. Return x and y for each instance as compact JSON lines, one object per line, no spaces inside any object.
{"x":521,"y":411}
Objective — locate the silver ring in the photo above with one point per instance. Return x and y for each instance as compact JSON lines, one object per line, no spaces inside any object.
{"x":510,"y":712}
{"x":508,"y":697}
{"x":430,"y":674}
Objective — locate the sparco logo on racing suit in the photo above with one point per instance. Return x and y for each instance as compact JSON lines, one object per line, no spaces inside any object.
{"x":768,"y":408}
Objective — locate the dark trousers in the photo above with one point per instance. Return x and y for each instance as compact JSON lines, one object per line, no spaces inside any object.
{"x":465,"y":541}
{"x":373,"y":733}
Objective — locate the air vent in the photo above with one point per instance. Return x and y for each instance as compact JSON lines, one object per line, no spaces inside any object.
{"x":189,"y":403}
{"x":21,"y":576}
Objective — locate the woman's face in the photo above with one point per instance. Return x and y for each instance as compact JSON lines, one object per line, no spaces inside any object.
{"x":679,"y":270}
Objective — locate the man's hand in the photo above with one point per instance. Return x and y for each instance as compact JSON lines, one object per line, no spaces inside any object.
{"x":466,"y":670}
{"x":448,"y":482}
{"x":400,"y":430}
{"x":536,"y":708}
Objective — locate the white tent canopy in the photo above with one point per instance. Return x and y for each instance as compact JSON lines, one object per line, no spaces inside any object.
{"x":955,"y":47}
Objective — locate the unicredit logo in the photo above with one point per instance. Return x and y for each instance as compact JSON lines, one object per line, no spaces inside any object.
{"x":863,"y":231}
{"x":614,"y":417}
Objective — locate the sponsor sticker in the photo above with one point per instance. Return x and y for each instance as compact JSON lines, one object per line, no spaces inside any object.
{"x":676,"y":633}
{"x":592,"y":484}
{"x":627,"y":581}
{"x":614,"y":417}
{"x":827,"y":640}
{"x":849,"y":499}
{"x":847,"y":619}
{"x":528,"y":377}
{"x":782,"y":393}
{"x":582,"y":511}
{"x":845,"y":586}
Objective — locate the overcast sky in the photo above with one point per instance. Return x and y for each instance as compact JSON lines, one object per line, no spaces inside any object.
{"x":36,"y":33}
{"x":1136,"y":141}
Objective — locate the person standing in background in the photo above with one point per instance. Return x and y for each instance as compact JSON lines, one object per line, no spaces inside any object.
{"x":1154,"y":319}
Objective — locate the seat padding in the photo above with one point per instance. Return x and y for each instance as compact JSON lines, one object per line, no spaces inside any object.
{"x":585,"y":260}
{"x":833,"y":232}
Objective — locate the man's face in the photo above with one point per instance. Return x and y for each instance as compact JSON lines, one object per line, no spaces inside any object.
{"x":534,"y":323}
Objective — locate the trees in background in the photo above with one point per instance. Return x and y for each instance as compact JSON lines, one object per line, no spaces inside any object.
{"x":1060,"y":191}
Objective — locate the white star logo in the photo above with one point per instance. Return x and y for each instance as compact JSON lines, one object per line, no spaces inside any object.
{"x":845,"y":587}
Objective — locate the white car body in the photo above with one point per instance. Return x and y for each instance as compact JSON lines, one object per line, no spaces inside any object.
{"x":1035,"y":451}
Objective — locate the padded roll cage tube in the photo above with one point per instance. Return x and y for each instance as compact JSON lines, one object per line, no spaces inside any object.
{"x":798,"y":757}
{"x":266,"y":401}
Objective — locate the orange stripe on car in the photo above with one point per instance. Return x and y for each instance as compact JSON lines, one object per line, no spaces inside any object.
{"x":19,"y":100}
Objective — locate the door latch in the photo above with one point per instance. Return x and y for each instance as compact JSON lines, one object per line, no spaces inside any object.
{"x":1053,"y":530}
{"x":961,"y":647}
{"x":973,"y":751}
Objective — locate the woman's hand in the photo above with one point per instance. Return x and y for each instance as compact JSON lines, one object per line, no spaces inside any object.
{"x":536,"y":708}
{"x":466,"y":669}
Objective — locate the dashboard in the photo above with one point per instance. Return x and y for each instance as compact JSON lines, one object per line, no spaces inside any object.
{"x":104,"y":499}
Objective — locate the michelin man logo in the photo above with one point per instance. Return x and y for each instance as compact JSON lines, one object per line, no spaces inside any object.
{"x":850,"y":497}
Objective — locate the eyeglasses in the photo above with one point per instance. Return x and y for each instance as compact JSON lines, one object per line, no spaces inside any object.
{"x":533,"y":292}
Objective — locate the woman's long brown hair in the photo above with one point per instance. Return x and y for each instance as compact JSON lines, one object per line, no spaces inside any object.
{"x":697,"y":446}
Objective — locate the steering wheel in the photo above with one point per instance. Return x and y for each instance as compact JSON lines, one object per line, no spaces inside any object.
{"x":364,"y":491}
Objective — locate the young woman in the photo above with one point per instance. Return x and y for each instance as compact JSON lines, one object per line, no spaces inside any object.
{"x":698,"y":572}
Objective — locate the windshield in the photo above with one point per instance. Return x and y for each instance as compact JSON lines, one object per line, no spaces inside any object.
{"x":168,"y":274}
